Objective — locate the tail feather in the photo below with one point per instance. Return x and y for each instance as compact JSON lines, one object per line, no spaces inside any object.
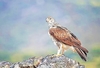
{"x":82,"y":48}
{"x":82,"y":53}
{"x":85,"y":53}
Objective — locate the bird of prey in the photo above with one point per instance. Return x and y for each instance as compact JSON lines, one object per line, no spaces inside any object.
{"x":65,"y":39}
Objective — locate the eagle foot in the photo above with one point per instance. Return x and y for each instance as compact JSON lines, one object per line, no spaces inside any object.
{"x":57,"y":55}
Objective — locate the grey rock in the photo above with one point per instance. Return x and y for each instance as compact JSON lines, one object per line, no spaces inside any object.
{"x":58,"y":62}
{"x":5,"y":64}
{"x":49,"y":61}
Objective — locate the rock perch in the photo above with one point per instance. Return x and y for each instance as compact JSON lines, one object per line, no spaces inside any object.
{"x":49,"y":61}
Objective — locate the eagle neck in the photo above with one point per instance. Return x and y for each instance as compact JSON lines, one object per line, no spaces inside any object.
{"x":53,"y":25}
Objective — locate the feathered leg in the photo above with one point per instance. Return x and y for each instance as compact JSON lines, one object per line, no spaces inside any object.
{"x":60,"y":51}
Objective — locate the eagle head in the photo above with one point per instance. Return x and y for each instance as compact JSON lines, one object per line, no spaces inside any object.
{"x":50,"y":20}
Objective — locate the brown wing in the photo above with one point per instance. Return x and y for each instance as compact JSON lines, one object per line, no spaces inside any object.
{"x":64,"y":36}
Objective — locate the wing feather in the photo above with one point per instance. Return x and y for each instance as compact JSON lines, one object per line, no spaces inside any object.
{"x":64,"y":36}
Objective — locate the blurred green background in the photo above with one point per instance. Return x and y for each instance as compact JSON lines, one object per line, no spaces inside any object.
{"x":24,"y":31}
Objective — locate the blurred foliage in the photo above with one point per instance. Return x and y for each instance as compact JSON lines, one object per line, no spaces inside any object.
{"x":96,"y":51}
{"x":4,"y":55}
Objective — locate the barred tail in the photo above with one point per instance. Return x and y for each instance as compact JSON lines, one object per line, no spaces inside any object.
{"x":82,"y":52}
